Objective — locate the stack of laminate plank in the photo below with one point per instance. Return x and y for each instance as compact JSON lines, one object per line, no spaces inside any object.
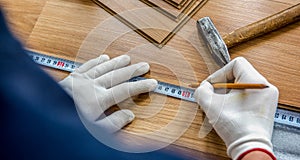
{"x":155,"y":20}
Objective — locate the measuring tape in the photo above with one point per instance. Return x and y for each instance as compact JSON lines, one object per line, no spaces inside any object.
{"x":53,"y":62}
{"x":282,"y":116}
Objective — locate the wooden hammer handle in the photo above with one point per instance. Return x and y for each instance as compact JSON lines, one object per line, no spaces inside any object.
{"x":263,"y":26}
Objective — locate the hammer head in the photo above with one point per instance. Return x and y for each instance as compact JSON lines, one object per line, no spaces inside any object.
{"x":213,"y":40}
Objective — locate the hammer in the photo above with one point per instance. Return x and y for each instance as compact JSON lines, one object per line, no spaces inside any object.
{"x":218,"y":46}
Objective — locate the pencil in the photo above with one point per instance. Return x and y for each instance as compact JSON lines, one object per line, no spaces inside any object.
{"x":234,"y":86}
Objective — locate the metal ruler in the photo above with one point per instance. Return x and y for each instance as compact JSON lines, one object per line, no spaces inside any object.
{"x":282,"y":116}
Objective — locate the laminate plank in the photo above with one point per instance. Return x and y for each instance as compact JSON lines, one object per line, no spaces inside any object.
{"x":167,"y":10}
{"x":176,"y":3}
{"x":59,"y":26}
{"x":22,"y":15}
{"x":146,"y":21}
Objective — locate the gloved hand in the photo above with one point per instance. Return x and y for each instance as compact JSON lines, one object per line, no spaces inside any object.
{"x":100,"y":83}
{"x":244,"y":119}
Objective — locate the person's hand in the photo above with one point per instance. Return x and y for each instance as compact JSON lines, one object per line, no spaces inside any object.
{"x":100,"y":83}
{"x":244,"y":118}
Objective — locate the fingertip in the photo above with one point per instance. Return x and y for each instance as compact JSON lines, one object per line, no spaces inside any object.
{"x":141,"y":68}
{"x":116,"y":121}
{"x":152,"y":83}
{"x":121,"y":61}
{"x":143,"y":86}
{"x":125,"y":58}
{"x":129,"y":115}
{"x":104,"y":57}
{"x":101,"y":59}
{"x":145,"y":66}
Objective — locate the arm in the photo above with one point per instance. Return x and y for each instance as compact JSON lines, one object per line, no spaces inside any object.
{"x":257,"y":155}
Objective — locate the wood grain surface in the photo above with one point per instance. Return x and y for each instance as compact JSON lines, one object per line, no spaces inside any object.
{"x":80,"y":30}
{"x":171,"y":12}
{"x":176,"y":3}
{"x":145,"y":20}
{"x":22,"y":15}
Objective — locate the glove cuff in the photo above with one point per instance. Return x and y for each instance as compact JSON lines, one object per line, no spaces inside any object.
{"x":244,"y":145}
{"x":257,"y":149}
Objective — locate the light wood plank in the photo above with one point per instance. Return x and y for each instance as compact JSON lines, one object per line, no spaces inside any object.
{"x":22,"y":15}
{"x":169,"y":11}
{"x":176,"y":3}
{"x":145,"y":20}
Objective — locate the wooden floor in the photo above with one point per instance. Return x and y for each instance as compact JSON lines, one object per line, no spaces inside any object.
{"x":81,"y":30}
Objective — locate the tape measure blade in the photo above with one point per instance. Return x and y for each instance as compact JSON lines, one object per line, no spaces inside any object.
{"x":53,"y":62}
{"x":287,"y":117}
{"x":282,"y":116}
{"x":175,"y":91}
{"x":171,"y":90}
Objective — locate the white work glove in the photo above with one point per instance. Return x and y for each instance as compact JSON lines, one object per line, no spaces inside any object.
{"x":243,"y":118}
{"x":100,"y":83}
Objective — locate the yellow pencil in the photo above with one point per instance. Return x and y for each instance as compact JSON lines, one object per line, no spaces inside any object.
{"x":234,"y":86}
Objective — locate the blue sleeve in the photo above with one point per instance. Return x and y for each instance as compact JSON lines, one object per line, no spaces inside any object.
{"x":38,"y":119}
